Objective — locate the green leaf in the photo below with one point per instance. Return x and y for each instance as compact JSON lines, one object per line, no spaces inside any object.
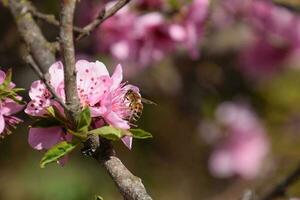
{"x":46,"y":122}
{"x":108,"y":132}
{"x":140,"y":134}
{"x":56,"y":152}
{"x":84,"y":120}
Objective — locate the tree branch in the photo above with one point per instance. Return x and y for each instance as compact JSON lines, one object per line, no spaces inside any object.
{"x":68,"y":55}
{"x":279,"y":190}
{"x":39,"y":47}
{"x":104,"y":15}
{"x":49,"y":18}
{"x":130,"y":186}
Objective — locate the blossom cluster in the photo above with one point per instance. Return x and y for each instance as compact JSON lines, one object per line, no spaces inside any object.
{"x":143,"y":38}
{"x":104,"y":95}
{"x":240,"y":141}
{"x":273,"y":34}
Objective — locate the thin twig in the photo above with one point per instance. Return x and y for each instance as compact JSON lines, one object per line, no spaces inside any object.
{"x":104,"y":15}
{"x":279,"y":190}
{"x":45,"y":78}
{"x":68,"y":55}
{"x":49,"y":18}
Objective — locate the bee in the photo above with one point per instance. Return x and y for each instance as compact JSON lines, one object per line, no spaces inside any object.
{"x":136,"y":104}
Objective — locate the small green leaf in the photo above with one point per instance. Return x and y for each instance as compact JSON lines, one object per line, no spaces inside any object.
{"x":140,"y":134}
{"x":46,"y":122}
{"x":84,"y":120}
{"x":56,"y":152}
{"x":108,"y":132}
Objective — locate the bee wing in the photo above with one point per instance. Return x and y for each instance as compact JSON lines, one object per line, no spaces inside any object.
{"x":147,"y":101}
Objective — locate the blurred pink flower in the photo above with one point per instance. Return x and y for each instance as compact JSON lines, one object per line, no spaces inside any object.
{"x":8,"y":107}
{"x":276,"y":33}
{"x":144,"y":39}
{"x":245,"y":146}
{"x":103,"y":94}
{"x":189,"y":31}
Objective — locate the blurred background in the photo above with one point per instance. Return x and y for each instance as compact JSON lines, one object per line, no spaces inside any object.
{"x":225,"y":77}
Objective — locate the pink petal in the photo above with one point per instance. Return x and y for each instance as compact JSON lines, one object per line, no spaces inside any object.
{"x":113,"y":119}
{"x":35,"y":109}
{"x":37,"y":90}
{"x":44,"y":138}
{"x":127,"y":140}
{"x":97,"y":68}
{"x":2,"y":123}
{"x":117,"y":77}
{"x":56,"y":72}
{"x":10,"y":107}
{"x":2,"y":76}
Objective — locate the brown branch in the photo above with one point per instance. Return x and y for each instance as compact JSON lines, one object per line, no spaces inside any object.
{"x":130,"y":186}
{"x":39,"y":47}
{"x":68,"y":55}
{"x":104,"y":15}
{"x":279,"y":190}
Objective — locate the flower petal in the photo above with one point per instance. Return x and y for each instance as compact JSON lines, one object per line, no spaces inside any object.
{"x":44,"y":138}
{"x":113,"y":119}
{"x":2,"y":123}
{"x":117,"y":77}
{"x":56,"y":72}
{"x":10,"y":107}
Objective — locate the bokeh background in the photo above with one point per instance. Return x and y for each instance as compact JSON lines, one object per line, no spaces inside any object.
{"x":225,"y":75}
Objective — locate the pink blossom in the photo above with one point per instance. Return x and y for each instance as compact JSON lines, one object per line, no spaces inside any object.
{"x":102,"y":93}
{"x":276,"y":33}
{"x":148,"y":38}
{"x":135,"y":38}
{"x":190,"y":29}
{"x":8,"y":107}
{"x":245,"y":146}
